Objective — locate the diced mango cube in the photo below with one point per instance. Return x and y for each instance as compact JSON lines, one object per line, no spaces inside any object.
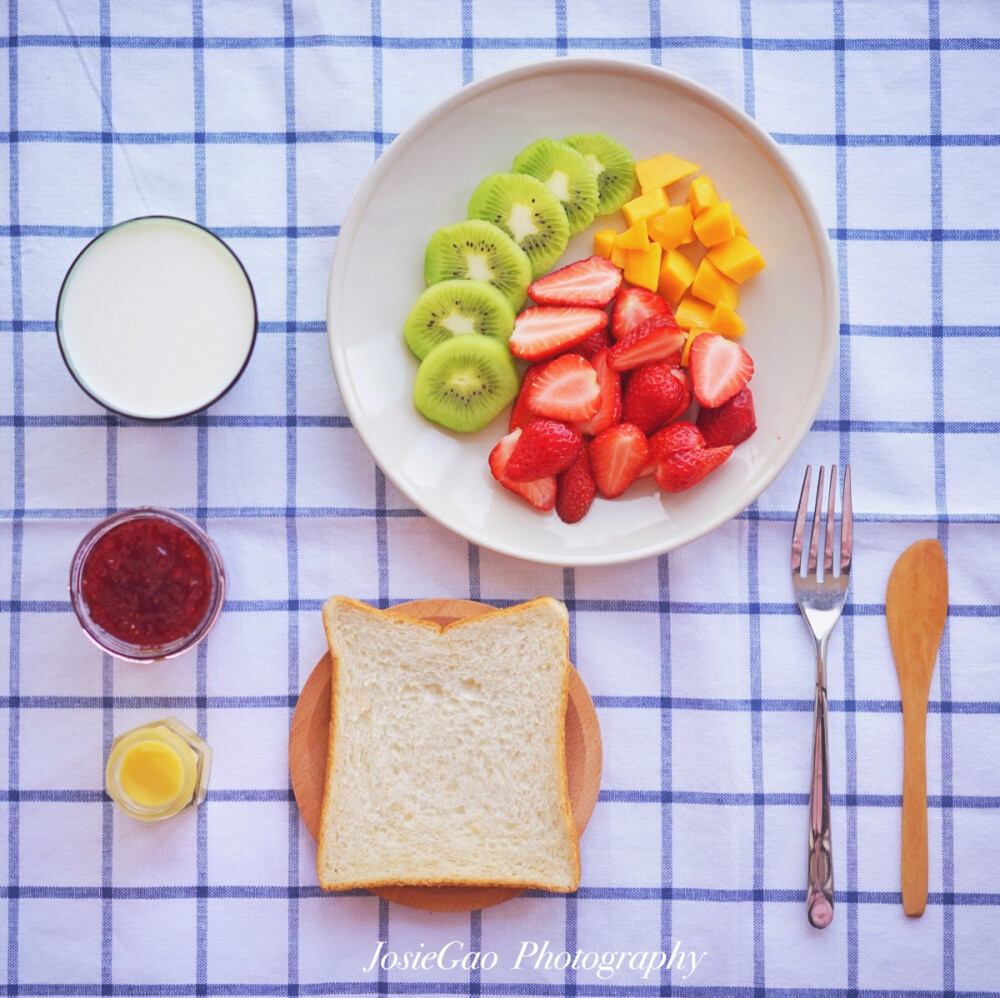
{"x":635,"y":237}
{"x":672,"y":228}
{"x":725,"y":321}
{"x":662,"y":171}
{"x":691,"y":312}
{"x":715,"y":225}
{"x":702,"y":194}
{"x":642,"y":267}
{"x":603,"y":240}
{"x":646,"y":205}
{"x":692,"y":333}
{"x":737,"y":258}
{"x":618,"y":255}
{"x":676,"y":274}
{"x":711,"y":285}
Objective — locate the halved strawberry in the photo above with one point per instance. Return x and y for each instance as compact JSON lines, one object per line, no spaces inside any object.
{"x":546,"y":447}
{"x":594,"y":282}
{"x":547,"y":330}
{"x":575,"y":489}
{"x":682,"y":435}
{"x":719,"y":369}
{"x":653,"y":397}
{"x":610,"y":383}
{"x":617,"y":455}
{"x":633,"y":306}
{"x":681,"y":470}
{"x":566,"y":388}
{"x":541,"y":493}
{"x":731,"y":423}
{"x":520,"y":413}
{"x":659,"y":338}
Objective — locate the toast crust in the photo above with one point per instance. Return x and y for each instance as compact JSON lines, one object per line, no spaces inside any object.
{"x":512,"y":613}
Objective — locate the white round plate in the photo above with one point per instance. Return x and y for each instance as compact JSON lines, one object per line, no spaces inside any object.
{"x":424,"y":180}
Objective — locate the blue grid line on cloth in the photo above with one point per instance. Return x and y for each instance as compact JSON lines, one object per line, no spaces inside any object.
{"x":844,"y":458}
{"x":291,"y":368}
{"x":201,"y":486}
{"x":937,"y":360}
{"x":916,"y":140}
{"x":716,"y":895}
{"x":665,"y":703}
{"x":475,"y":917}
{"x":111,"y":457}
{"x":930,"y":428}
{"x":917,"y":235}
{"x":17,"y":531}
{"x":381,"y":523}
{"x":482,"y":42}
{"x":753,"y":584}
{"x":887,"y":331}
{"x":666,"y":743}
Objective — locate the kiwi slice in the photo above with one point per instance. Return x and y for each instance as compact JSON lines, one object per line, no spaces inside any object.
{"x":454,"y":308}
{"x":528,"y":212}
{"x":478,"y":251}
{"x":465,"y":382}
{"x":613,"y":166}
{"x":567,"y":174}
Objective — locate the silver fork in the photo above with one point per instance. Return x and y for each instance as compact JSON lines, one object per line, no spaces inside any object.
{"x":820,"y":596}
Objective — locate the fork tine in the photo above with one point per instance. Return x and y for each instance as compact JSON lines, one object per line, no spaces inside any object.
{"x":830,"y":523}
{"x":800,"y":523}
{"x":817,"y":517}
{"x":846,"y":525}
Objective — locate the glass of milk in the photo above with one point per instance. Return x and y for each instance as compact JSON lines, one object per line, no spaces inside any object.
{"x":156,"y":318}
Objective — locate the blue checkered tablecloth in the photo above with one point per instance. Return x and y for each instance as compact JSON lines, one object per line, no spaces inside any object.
{"x":260,"y":119}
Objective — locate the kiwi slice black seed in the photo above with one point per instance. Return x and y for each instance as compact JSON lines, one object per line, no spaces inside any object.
{"x":478,"y":251}
{"x":613,"y":166}
{"x":528,"y":212}
{"x":567,"y":174}
{"x":454,"y":308}
{"x":465,"y":382}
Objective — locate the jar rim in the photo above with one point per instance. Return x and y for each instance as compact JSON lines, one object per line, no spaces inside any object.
{"x":126,"y":650}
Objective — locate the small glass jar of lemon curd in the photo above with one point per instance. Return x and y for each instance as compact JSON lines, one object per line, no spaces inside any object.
{"x":158,"y":770}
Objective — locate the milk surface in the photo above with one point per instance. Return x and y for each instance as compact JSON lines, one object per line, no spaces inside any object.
{"x":156,"y":318}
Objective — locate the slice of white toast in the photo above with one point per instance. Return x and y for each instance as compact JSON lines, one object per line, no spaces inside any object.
{"x":447,"y":756}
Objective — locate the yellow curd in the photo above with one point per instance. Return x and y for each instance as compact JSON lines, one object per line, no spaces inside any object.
{"x":158,"y":770}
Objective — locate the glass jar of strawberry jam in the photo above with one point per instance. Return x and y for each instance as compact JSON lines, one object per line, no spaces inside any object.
{"x":147,"y":584}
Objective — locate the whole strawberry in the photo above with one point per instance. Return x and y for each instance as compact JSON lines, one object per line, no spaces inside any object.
{"x":546,"y":447}
{"x":682,"y":469}
{"x":653,"y":397}
{"x":730,"y":423}
{"x":575,"y":489}
{"x":678,"y":436}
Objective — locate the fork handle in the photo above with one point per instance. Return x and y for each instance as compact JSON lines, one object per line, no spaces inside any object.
{"x":819,"y":894}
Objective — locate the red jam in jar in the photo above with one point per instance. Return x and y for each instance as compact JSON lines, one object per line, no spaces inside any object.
{"x":147,"y":584}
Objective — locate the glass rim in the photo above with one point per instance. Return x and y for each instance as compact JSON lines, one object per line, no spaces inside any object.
{"x":126,"y":650}
{"x":65,"y":356}
{"x":185,"y":736}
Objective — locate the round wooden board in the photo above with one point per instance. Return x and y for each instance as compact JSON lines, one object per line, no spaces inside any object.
{"x":307,"y":753}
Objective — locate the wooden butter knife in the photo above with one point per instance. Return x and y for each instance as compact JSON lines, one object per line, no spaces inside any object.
{"x":916,"y":604}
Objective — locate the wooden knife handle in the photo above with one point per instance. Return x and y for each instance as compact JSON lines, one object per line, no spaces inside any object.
{"x":914,"y":844}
